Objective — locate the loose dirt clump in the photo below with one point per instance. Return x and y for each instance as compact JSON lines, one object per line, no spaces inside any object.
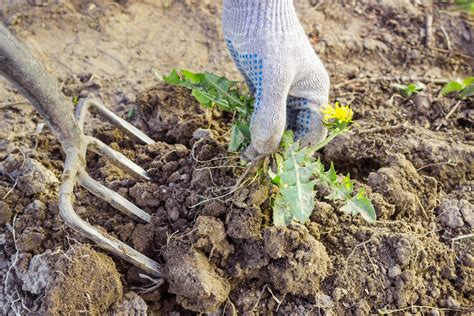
{"x":299,"y":261}
{"x":400,"y":184}
{"x":197,"y":283}
{"x":393,"y":264}
{"x":132,"y":305}
{"x":175,"y":122}
{"x":86,"y":282}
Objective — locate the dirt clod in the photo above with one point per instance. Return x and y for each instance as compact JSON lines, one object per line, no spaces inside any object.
{"x":83,"y":273}
{"x":413,"y":195}
{"x":39,"y":274}
{"x":5,"y":213}
{"x":214,"y":208}
{"x":453,"y":213}
{"x":131,"y":305}
{"x":300,"y":261}
{"x":244,"y":223}
{"x":30,"y":240}
{"x":197,"y":283}
{"x":210,"y":236}
{"x":34,"y":178}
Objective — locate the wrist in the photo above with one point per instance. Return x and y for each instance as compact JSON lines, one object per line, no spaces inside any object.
{"x":253,"y":17}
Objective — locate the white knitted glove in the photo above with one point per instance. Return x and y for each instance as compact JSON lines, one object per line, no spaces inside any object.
{"x":289,"y":82}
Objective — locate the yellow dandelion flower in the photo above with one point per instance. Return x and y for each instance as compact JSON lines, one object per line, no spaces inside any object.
{"x":342,"y":114}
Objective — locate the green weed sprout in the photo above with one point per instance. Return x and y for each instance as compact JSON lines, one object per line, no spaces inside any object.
{"x":298,"y":173}
{"x":461,"y":89}
{"x":466,"y":5}
{"x":409,"y":89}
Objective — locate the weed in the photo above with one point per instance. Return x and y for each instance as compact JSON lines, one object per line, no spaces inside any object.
{"x":464,"y":5}
{"x":409,"y":89}
{"x":132,"y":112}
{"x":75,"y":100}
{"x":460,"y":89}
{"x":297,"y":173}
{"x":211,"y":90}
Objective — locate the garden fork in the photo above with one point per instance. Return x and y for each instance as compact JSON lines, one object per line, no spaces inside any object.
{"x":19,"y":67}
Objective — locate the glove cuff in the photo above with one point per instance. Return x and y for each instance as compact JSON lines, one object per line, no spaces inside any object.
{"x":253,"y":17}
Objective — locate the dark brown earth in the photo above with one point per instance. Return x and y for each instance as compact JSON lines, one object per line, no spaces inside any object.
{"x":212,"y":233}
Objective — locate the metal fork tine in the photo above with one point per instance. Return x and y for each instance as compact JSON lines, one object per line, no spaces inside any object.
{"x":118,"y":159}
{"x":91,"y":104}
{"x":102,"y":239}
{"x":113,"y":198}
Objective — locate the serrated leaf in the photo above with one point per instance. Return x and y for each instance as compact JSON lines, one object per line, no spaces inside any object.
{"x":296,"y":195}
{"x":341,"y":190}
{"x":331,"y":173}
{"x":412,"y":87}
{"x":318,"y":167}
{"x":211,"y":90}
{"x":240,"y":136}
{"x":467,"y":92}
{"x":326,"y":178}
{"x":172,"y":78}
{"x":282,"y":215}
{"x":402,"y":89}
{"x":236,"y":139}
{"x":244,"y":128}
{"x":208,"y":86}
{"x":360,"y":204}
{"x":450,"y":87}
{"x":194,"y":78}
{"x":300,"y":200}
{"x":297,"y":187}
{"x":222,"y":87}
{"x":287,"y":139}
{"x":204,"y":98}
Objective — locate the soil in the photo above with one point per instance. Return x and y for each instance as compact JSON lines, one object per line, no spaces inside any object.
{"x":211,"y":227}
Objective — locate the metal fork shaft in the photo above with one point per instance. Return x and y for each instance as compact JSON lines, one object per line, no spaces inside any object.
{"x":20,"y":68}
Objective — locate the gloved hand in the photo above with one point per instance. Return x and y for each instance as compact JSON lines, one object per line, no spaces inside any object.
{"x":289,"y":82}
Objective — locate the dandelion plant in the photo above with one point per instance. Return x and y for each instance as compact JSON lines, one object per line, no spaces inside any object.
{"x":297,"y":173}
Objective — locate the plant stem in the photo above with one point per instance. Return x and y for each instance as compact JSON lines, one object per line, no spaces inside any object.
{"x":333,"y":134}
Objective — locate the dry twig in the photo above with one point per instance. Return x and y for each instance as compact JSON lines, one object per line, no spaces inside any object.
{"x":384,"y":129}
{"x":428,"y":30}
{"x":392,"y":78}
{"x":451,"y":112}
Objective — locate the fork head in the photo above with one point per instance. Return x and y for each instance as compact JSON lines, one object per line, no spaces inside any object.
{"x":29,"y":76}
{"x":74,"y":171}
